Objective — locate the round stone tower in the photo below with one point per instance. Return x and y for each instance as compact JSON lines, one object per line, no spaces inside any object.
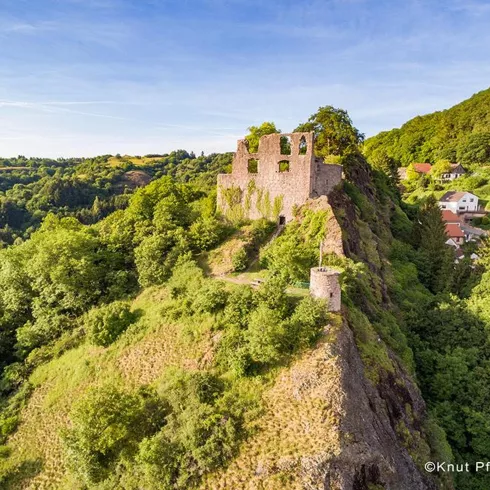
{"x":324,"y":284}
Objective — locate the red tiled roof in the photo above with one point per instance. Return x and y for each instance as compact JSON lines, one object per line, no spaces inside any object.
{"x":450,"y":217}
{"x":454,"y":231}
{"x":422,"y":168}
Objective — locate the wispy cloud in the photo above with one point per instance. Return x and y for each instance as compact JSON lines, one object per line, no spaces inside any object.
{"x":59,"y":107}
{"x":107,"y":76}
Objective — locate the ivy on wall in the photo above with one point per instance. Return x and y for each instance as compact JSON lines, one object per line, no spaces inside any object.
{"x":239,"y":203}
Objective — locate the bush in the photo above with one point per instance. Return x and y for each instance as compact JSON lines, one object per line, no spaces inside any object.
{"x":9,"y":415}
{"x":292,"y":254}
{"x":261,"y":229}
{"x":106,"y":323}
{"x":47,"y":327}
{"x":199,"y":437}
{"x":265,"y":335}
{"x":108,"y":424}
{"x":306,"y":323}
{"x":198,"y":441}
{"x":156,"y":256}
{"x":272,"y":293}
{"x":241,"y":301}
{"x":206,"y":233}
{"x":239,"y":260}
{"x":5,"y":451}
{"x":211,"y":298}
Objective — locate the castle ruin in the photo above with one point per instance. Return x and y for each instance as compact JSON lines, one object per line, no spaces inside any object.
{"x":280,"y":177}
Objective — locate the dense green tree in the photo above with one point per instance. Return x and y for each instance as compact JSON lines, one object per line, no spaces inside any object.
{"x":439,"y":168}
{"x":256,"y":132}
{"x":434,"y":256}
{"x":460,"y":133}
{"x":108,"y":424}
{"x":334,"y":131}
{"x":106,"y":323}
{"x":156,"y":256}
{"x":474,"y":148}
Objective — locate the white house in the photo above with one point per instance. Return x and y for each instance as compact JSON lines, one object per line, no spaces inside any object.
{"x":459,"y":202}
{"x":456,"y":171}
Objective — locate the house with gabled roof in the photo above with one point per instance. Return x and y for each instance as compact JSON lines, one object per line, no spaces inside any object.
{"x":456,"y":172}
{"x":459,"y":202}
{"x":455,"y":233}
{"x":449,"y":217}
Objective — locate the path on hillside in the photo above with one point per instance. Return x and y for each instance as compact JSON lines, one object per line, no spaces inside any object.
{"x":279,"y":230}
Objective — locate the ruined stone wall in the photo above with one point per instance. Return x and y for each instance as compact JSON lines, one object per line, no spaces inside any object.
{"x":325,"y":178}
{"x":272,"y":192}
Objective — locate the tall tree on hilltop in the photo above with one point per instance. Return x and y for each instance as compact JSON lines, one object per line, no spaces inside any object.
{"x":435,"y":257}
{"x":256,"y":132}
{"x":334,"y":131}
{"x":382,"y":161}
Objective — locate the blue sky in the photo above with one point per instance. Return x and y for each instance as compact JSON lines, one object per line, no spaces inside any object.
{"x":87,"y":77}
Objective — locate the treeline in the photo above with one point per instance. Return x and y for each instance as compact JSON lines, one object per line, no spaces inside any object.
{"x":460,"y":134}
{"x":87,"y":189}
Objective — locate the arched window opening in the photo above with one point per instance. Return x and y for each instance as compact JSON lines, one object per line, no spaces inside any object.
{"x":285,"y":145}
{"x":303,"y":146}
{"x":253,"y":166}
{"x":284,"y":166}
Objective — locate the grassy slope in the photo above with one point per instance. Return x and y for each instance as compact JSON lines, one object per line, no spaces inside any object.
{"x":296,"y":419}
{"x":300,"y":415}
{"x":139,"y":357}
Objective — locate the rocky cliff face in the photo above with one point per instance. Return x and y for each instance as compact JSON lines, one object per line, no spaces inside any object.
{"x":325,"y":426}
{"x":373,"y":447}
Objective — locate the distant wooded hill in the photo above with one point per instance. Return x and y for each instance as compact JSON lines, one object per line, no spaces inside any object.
{"x":461,"y":134}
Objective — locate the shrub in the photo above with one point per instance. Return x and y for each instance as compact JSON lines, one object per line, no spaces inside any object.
{"x":290,"y":256}
{"x":206,"y":233}
{"x":5,"y":451}
{"x":306,"y":323}
{"x":265,"y":335}
{"x":194,"y":443}
{"x":241,"y":301}
{"x":239,"y":260}
{"x":261,"y":229}
{"x":199,"y":436}
{"x":186,"y":277}
{"x":210,"y":298}
{"x":272,"y":293}
{"x":156,"y":256}
{"x":46,"y":328}
{"x":106,"y":323}
{"x":107,"y":424}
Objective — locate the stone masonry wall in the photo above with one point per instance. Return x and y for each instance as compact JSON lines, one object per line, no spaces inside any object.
{"x":324,"y":284}
{"x":271,"y":192}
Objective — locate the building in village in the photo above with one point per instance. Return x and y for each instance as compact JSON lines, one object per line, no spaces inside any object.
{"x":459,"y":202}
{"x":456,"y":171}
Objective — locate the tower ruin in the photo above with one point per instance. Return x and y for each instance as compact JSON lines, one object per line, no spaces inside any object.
{"x":324,"y":284}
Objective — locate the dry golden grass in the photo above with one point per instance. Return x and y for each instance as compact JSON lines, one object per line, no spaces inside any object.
{"x":139,"y":357}
{"x":115,"y":161}
{"x":300,"y":426}
{"x":219,"y":260}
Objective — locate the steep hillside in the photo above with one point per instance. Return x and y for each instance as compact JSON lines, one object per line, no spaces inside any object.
{"x":461,"y":133}
{"x":141,"y":352}
{"x":242,"y":388}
